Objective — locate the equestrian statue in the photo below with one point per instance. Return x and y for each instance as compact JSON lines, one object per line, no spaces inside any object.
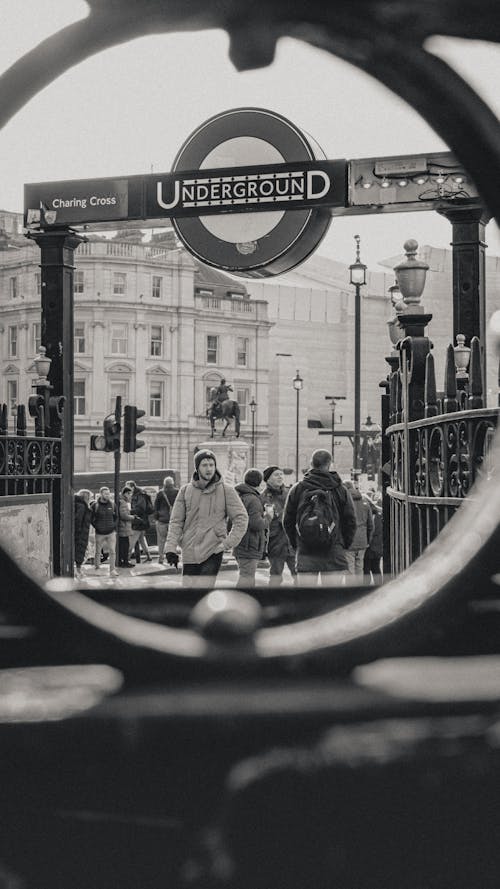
{"x":223,"y":408}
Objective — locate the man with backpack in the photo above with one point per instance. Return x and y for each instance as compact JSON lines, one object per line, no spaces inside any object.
{"x":319,"y":519}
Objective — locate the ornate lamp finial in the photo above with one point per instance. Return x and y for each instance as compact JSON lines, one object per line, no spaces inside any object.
{"x":410,"y":276}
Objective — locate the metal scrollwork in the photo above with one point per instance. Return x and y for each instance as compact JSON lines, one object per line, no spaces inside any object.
{"x":481,"y":462}
{"x":34,"y":457}
{"x":420,"y":455}
{"x":436,"y":462}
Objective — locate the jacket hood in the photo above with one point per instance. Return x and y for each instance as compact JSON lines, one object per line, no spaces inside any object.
{"x":317,"y":478}
{"x":213,"y":481}
{"x":243,"y":488}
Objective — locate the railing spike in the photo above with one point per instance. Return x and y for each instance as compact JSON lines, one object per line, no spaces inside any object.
{"x":475,"y":375}
{"x":21,"y":427}
{"x":430,"y":394}
{"x":450,"y":402}
{"x":4,"y":420}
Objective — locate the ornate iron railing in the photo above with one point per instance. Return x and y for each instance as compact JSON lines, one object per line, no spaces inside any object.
{"x":438,"y":444}
{"x":30,"y":463}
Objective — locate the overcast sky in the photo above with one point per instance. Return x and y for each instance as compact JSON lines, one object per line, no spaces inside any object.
{"x":129,"y":109}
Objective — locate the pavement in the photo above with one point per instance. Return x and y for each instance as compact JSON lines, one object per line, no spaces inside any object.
{"x":152,"y":574}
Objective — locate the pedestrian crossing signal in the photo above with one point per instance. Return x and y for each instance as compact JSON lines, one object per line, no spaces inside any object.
{"x":132,"y":429}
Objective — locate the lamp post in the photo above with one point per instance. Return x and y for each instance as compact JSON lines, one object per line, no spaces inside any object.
{"x":357,"y":273}
{"x":333,"y":403}
{"x":253,"y":407}
{"x":298,"y":382}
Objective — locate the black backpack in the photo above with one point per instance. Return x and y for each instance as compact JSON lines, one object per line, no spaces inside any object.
{"x":318,"y":522}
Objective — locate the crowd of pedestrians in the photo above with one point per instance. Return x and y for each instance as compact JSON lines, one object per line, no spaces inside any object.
{"x":319,"y":528}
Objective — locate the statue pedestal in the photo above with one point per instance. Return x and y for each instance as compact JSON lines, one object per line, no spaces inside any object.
{"x":232,"y":458}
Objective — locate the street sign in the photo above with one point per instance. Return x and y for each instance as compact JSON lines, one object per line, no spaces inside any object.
{"x":278,"y":237}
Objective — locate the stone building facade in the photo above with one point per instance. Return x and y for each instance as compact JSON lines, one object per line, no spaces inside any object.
{"x":152,"y":326}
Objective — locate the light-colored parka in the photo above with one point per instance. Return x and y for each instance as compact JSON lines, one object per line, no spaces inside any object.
{"x":198,"y":519}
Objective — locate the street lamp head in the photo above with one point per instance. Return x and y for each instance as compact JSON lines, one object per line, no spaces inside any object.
{"x":253,"y":405}
{"x":298,"y":382}
{"x":395,"y":294}
{"x":357,"y":269}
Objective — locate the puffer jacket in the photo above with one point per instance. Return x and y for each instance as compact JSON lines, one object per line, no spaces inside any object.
{"x":364,"y":521}
{"x":103,"y":516}
{"x":329,"y":481}
{"x":198,"y":519}
{"x":278,"y":544}
{"x":252,"y":544}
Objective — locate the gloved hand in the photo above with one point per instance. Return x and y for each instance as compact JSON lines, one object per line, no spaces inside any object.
{"x":172,"y":559}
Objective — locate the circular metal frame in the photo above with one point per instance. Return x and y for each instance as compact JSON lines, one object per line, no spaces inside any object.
{"x":386,"y":42}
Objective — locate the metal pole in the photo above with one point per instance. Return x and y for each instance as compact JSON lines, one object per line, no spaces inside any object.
{"x":333,"y":431}
{"x":117,"y":455}
{"x":253,"y":437}
{"x":297,"y":440}
{"x":357,"y":374}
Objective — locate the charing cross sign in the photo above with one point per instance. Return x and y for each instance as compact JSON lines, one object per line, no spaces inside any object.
{"x":250,"y":193}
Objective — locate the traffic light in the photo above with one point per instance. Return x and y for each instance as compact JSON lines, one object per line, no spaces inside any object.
{"x":110,"y":439}
{"x":131,"y":429}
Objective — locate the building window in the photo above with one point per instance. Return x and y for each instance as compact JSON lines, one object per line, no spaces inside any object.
{"x":79,"y":338}
{"x":78,"y":281}
{"x":156,"y":288}
{"x":13,"y":287}
{"x":202,"y":292}
{"x":12,"y":395}
{"x":13,"y":342}
{"x":212,"y":349}
{"x":119,"y":339}
{"x":243,"y":397}
{"x":242,"y":351}
{"x":119,"y":283}
{"x":157,"y":341}
{"x":79,"y":398}
{"x":117,"y":387}
{"x":37,"y":337}
{"x":38,"y":283}
{"x":155,"y":398}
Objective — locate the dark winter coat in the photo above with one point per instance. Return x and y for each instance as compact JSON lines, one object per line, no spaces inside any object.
{"x":376,"y":546}
{"x":364,"y":521}
{"x":141,"y":508}
{"x":164,"y":501}
{"x":252,"y":544}
{"x":278,"y":545}
{"x":83,"y":516}
{"x":124,"y":518}
{"x":103,"y":516}
{"x":329,"y":481}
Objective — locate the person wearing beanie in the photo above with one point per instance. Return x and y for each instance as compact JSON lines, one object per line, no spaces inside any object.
{"x":279,"y":551}
{"x":250,"y":549}
{"x":199,"y":520}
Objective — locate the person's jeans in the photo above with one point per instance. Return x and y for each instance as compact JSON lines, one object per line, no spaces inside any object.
{"x":277,"y":564}
{"x":247,"y":567}
{"x":108,"y":542}
{"x":161,"y":536}
{"x":355,"y":560}
{"x":197,"y":574}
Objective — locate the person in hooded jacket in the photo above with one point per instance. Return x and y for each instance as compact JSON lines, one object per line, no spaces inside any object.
{"x":279,"y":551}
{"x":333,"y":559}
{"x":364,"y":529}
{"x":83,"y":515}
{"x":250,"y":549}
{"x":198,"y":522}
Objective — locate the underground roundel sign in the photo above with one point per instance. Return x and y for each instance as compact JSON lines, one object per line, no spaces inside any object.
{"x":256,"y":193}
